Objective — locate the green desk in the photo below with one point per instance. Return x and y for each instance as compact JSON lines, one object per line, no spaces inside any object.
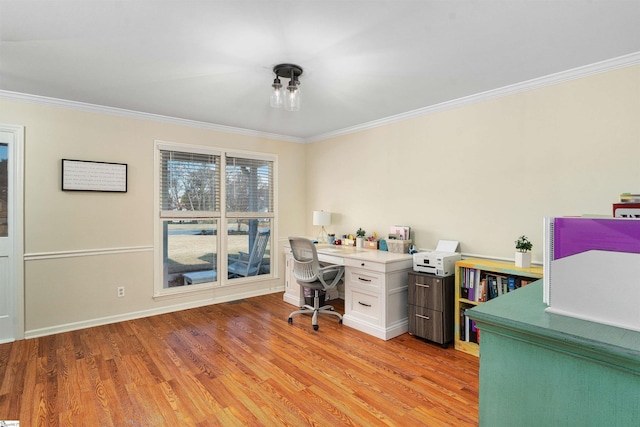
{"x":542,"y":369}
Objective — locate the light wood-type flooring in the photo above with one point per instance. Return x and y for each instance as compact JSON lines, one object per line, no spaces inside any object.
{"x":235,"y":364}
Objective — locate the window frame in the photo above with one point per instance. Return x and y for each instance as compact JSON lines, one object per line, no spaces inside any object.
{"x":236,"y":215}
{"x":221,"y":216}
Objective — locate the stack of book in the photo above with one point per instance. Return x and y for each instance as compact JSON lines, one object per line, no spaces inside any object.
{"x":629,"y":198}
{"x":629,"y":206}
{"x":480,"y":286}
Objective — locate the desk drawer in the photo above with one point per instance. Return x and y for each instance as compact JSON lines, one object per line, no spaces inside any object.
{"x":426,"y":291}
{"x":330,"y":259}
{"x":366,"y":265}
{"x":364,"y":278}
{"x":362,"y":304}
{"x":426,"y":323}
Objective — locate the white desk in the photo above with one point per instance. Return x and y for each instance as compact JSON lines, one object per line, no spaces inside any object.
{"x":375,"y":288}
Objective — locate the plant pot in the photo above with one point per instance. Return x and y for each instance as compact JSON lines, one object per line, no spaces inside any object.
{"x":359,"y":241}
{"x":523,"y":259}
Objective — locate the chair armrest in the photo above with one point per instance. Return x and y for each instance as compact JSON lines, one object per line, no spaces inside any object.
{"x":331,"y":267}
{"x":240,"y":256}
{"x":340,"y":272}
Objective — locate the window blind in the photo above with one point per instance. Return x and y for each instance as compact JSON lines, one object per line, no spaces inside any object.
{"x":189,"y":182}
{"x":249,"y":185}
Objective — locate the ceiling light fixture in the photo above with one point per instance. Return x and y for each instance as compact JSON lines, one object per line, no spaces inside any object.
{"x":289,"y":96}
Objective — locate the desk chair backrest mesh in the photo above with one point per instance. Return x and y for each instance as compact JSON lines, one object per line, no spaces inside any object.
{"x":310,"y":274}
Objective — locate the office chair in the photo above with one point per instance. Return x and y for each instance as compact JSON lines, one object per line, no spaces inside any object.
{"x":309,"y":274}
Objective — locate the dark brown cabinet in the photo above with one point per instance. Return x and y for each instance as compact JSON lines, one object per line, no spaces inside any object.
{"x":430,"y":302}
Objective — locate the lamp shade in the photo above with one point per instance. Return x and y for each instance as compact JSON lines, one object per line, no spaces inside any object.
{"x":292,"y":98}
{"x":321,"y":218}
{"x":277,"y":94}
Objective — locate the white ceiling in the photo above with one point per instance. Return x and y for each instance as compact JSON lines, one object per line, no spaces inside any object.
{"x":211,"y":61}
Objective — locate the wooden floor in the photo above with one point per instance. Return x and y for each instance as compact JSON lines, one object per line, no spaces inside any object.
{"x":237,"y":363}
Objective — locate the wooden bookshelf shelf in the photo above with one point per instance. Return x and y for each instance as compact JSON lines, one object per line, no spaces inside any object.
{"x":498,"y":277}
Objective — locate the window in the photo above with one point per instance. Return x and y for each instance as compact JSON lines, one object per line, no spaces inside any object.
{"x":249,"y":213}
{"x":189,"y":212}
{"x":191,"y":189}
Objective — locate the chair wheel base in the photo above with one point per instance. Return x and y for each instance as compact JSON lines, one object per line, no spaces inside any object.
{"x":315,"y":327}
{"x":340,"y":321}
{"x":290,"y":320}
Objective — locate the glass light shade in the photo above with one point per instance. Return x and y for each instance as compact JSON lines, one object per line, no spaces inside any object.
{"x":277,"y":94}
{"x":292,"y":99}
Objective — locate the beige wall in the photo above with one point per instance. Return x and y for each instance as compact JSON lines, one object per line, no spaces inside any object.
{"x":482,"y":174}
{"x":80,"y":246}
{"x":488,"y":172}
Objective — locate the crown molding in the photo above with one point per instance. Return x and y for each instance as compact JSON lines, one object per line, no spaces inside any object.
{"x":573,"y":74}
{"x":120,"y":112}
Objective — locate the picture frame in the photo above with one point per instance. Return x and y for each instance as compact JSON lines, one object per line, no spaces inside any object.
{"x":88,"y":175}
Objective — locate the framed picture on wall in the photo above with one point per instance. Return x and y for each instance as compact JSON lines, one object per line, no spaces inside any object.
{"x":86,"y":175}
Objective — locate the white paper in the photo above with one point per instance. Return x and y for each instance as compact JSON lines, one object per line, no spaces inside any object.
{"x":447,"y":246}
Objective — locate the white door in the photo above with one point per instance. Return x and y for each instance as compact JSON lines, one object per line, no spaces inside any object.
{"x":11,"y":234}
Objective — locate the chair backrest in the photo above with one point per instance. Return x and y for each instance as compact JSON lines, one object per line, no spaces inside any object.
{"x":257,"y":253}
{"x":306,"y":265}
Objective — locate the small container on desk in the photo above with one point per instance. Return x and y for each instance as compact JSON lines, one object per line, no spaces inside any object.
{"x":370,"y":244}
{"x":399,"y":246}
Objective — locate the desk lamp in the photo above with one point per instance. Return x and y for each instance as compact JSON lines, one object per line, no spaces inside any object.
{"x":322,"y":218}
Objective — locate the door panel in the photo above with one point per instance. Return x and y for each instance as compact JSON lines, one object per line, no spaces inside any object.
{"x":11,"y":243}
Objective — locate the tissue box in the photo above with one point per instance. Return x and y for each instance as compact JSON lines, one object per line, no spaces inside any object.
{"x":398,"y":246}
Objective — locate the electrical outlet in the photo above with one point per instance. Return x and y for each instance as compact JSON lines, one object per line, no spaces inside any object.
{"x":120,"y":291}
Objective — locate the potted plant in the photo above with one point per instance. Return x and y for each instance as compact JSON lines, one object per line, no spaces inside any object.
{"x":360,"y":237}
{"x":523,"y":254}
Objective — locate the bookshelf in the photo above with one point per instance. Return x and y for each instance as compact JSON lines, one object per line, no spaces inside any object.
{"x":480,"y":280}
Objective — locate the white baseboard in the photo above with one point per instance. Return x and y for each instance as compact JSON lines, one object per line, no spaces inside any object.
{"x":99,"y":321}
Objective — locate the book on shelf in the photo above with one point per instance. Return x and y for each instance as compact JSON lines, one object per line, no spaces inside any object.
{"x":464,"y":283}
{"x":470,"y":331}
{"x":464,"y":293}
{"x":467,"y":329}
{"x":492,"y":285}
{"x":482,"y":290}
{"x":474,"y":331}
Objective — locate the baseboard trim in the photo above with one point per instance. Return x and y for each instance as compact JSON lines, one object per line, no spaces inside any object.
{"x":100,"y":321}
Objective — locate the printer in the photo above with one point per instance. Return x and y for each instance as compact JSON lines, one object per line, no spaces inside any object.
{"x":441,"y":262}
